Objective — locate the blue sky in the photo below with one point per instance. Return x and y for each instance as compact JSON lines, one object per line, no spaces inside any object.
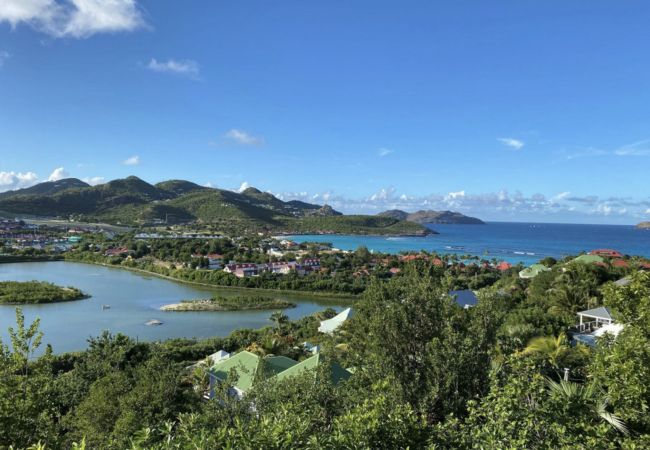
{"x":508,"y":110}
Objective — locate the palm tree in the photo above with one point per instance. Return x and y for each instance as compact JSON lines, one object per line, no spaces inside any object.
{"x":586,"y":398}
{"x":279,"y":319}
{"x":552,"y":349}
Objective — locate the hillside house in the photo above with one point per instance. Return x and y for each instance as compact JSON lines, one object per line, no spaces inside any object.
{"x":251,"y":369}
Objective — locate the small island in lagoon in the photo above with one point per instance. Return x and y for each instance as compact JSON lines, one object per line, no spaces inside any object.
{"x":37,"y":292}
{"x":238,"y":303}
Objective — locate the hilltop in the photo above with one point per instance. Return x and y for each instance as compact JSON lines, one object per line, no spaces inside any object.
{"x":435,"y":217}
{"x":644,"y":226}
{"x":132,"y":201}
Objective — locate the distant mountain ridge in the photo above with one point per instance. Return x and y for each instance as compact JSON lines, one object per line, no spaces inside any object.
{"x":432,"y":217}
{"x":132,"y":201}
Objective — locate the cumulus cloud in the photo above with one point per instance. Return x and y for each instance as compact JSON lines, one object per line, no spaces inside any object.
{"x":384,"y":152}
{"x":512,"y":143}
{"x":58,"y":174}
{"x":17,"y":180}
{"x":245,"y":185}
{"x":132,"y":161}
{"x":94,"y":181}
{"x":242,"y":137}
{"x":187,"y":67}
{"x":4,"y":56}
{"x":499,"y":204}
{"x":73,"y":18}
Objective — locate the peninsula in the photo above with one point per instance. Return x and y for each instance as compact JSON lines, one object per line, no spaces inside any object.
{"x":423,"y":217}
{"x":36,"y":292}
{"x":239,"y":303}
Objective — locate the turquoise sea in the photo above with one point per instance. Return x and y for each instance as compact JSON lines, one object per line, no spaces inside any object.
{"x":509,"y":241}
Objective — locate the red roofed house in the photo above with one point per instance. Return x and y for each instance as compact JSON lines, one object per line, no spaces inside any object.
{"x":503,"y":266}
{"x":120,"y":251}
{"x":620,"y":263}
{"x":607,"y":253}
{"x":242,"y":270}
{"x":394,"y":270}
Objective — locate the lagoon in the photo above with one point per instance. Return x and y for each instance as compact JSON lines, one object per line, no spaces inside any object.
{"x":134,"y":299}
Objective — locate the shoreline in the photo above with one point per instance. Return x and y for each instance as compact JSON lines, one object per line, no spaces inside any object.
{"x":333,"y":296}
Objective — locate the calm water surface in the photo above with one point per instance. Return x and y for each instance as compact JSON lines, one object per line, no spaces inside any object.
{"x":513,"y":242}
{"x":134,"y":300}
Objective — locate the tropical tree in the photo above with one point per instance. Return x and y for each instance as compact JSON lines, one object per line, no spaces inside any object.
{"x":585,"y":398}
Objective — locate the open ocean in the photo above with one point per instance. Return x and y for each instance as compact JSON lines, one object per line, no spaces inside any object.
{"x":509,"y":241}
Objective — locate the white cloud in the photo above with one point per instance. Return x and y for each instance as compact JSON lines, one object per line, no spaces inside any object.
{"x":562,"y":196}
{"x":94,"y":181}
{"x":132,"y":161}
{"x":58,"y":174}
{"x":73,"y":18}
{"x":4,"y":56}
{"x":512,"y":143}
{"x":243,"y":138}
{"x":383,"y":194}
{"x":640,"y":148}
{"x":17,"y":180}
{"x":208,"y":184}
{"x":647,"y":211}
{"x":186,"y":67}
{"x":384,"y":152}
{"x":245,"y":185}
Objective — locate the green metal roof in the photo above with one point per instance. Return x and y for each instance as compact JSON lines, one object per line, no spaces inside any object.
{"x":273,"y":365}
{"x":588,"y":259}
{"x":337,"y":372}
{"x":244,"y":363}
{"x":533,"y":271}
{"x":250,"y":367}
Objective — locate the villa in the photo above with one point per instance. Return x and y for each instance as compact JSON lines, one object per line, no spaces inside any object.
{"x":251,"y":369}
{"x":607,"y":253}
{"x":533,"y":271}
{"x":594,"y":323}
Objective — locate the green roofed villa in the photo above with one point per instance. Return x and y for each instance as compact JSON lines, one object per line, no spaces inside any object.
{"x":250,"y":369}
{"x":589,"y":259}
{"x":533,"y":271}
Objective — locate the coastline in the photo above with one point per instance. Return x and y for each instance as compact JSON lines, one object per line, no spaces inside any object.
{"x":334,"y":296}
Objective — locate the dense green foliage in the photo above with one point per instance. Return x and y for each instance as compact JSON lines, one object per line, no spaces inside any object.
{"x":427,"y":374}
{"x":236,"y":303}
{"x":18,"y":292}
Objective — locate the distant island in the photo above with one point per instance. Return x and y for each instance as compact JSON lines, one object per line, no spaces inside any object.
{"x":432,"y":217}
{"x":135,"y":203}
{"x":229,"y":304}
{"x":36,"y":292}
{"x":644,"y":226}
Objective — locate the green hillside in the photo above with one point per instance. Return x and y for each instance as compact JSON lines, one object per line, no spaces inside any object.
{"x":132,"y":201}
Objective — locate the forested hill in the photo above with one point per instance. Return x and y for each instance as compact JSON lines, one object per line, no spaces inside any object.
{"x":434,"y":217}
{"x":132,"y":201}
